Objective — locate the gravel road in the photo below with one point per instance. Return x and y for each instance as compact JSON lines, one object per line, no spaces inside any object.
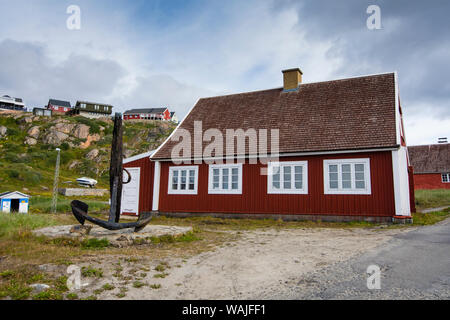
{"x":414,"y":265}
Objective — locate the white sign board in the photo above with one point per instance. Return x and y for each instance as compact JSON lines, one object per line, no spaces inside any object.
{"x":130,"y":192}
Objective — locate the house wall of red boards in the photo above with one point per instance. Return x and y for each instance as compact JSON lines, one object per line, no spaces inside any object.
{"x":146,"y":183}
{"x":429,"y":181}
{"x":255,"y":199}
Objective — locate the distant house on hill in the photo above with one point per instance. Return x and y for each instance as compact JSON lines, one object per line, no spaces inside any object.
{"x":91,"y":109}
{"x":59,"y":106}
{"x":431,"y":165}
{"x":174,"y":117}
{"x":147,"y":114}
{"x":10,"y":103}
{"x":42,"y":112}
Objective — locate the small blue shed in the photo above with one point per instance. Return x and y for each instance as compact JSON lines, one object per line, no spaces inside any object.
{"x":14,"y":202}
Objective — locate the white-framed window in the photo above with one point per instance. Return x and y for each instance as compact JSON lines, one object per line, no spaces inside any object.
{"x":83,"y":105}
{"x":225,"y":179}
{"x":287,"y":177}
{"x":183,"y":180}
{"x":97,"y":107}
{"x":446,"y":177}
{"x":347,"y":176}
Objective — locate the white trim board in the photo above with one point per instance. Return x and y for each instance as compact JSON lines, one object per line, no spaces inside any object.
{"x":401,"y":182}
{"x":156,"y":181}
{"x":138,"y":157}
{"x":292,"y":154}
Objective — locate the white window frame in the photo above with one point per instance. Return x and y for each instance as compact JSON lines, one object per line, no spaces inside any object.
{"x":352,"y":162}
{"x":186,"y":191}
{"x":271,"y":169}
{"x":211,"y":190}
{"x":448,"y":177}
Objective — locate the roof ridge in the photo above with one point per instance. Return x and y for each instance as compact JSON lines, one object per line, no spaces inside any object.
{"x":302,"y":84}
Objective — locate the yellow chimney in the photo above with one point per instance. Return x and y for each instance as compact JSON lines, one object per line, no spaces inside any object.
{"x":292,"y":79}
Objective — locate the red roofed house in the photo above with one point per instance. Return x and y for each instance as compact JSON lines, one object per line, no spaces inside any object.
{"x":431,"y":165}
{"x":335,"y":151}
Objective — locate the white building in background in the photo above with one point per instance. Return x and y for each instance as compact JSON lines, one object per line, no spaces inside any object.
{"x":15,"y":201}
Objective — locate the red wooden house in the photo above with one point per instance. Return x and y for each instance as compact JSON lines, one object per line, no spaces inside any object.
{"x":147,"y":114}
{"x":59,"y":106}
{"x":431,"y":165}
{"x":340,"y":154}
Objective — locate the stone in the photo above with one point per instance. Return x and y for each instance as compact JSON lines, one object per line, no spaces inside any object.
{"x":80,"y":192}
{"x":81,"y":131}
{"x":74,"y":164}
{"x":34,"y":132}
{"x":122,"y":238}
{"x":27,"y":120}
{"x":92,"y":154}
{"x":113,"y":236}
{"x":81,"y":230}
{"x":64,"y":127}
{"x":39,"y":287}
{"x":55,"y":138}
{"x":3,"y":131}
{"x":30,"y":141}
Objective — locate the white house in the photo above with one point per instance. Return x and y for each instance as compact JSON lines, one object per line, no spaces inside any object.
{"x":14,"y":202}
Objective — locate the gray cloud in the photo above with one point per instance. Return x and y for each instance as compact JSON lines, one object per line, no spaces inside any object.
{"x":414,"y":41}
{"x":27,"y":71}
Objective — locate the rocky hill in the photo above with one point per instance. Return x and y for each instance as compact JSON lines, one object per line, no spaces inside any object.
{"x":28,"y":156}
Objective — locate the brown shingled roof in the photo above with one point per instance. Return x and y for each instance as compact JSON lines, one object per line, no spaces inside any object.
{"x":434,"y":158}
{"x":354,"y":113}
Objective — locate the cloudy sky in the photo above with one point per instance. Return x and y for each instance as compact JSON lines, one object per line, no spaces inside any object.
{"x":146,"y":53}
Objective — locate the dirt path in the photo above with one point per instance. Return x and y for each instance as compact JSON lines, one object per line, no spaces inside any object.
{"x":243,"y":269}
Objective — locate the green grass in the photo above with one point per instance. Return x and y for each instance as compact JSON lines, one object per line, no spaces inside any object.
{"x":42,"y":204}
{"x":10,"y":224}
{"x":91,"y":272}
{"x":422,"y":219}
{"x":95,"y":243}
{"x":432,"y":198}
{"x":32,"y":167}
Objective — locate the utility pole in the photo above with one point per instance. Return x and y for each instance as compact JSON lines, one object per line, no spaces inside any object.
{"x":55,"y":183}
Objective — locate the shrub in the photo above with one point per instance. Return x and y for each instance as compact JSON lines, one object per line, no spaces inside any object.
{"x":94,"y":243}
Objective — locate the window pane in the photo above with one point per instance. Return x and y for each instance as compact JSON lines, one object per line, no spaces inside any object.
{"x":191,"y":179}
{"x":360,"y":185}
{"x":234,"y":186}
{"x":235,"y":171}
{"x":333,"y":184}
{"x":359,"y":167}
{"x":225,"y":178}
{"x":287,"y":177}
{"x":346,"y":177}
{"x":359,"y":175}
{"x":276,"y":184}
{"x":346,"y":184}
{"x":175,"y":180}
{"x":334,"y":176}
{"x":298,"y":177}
{"x":333,"y":168}
{"x":183,"y":180}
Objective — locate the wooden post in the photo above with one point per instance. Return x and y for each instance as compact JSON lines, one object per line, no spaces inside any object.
{"x":116,"y":169}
